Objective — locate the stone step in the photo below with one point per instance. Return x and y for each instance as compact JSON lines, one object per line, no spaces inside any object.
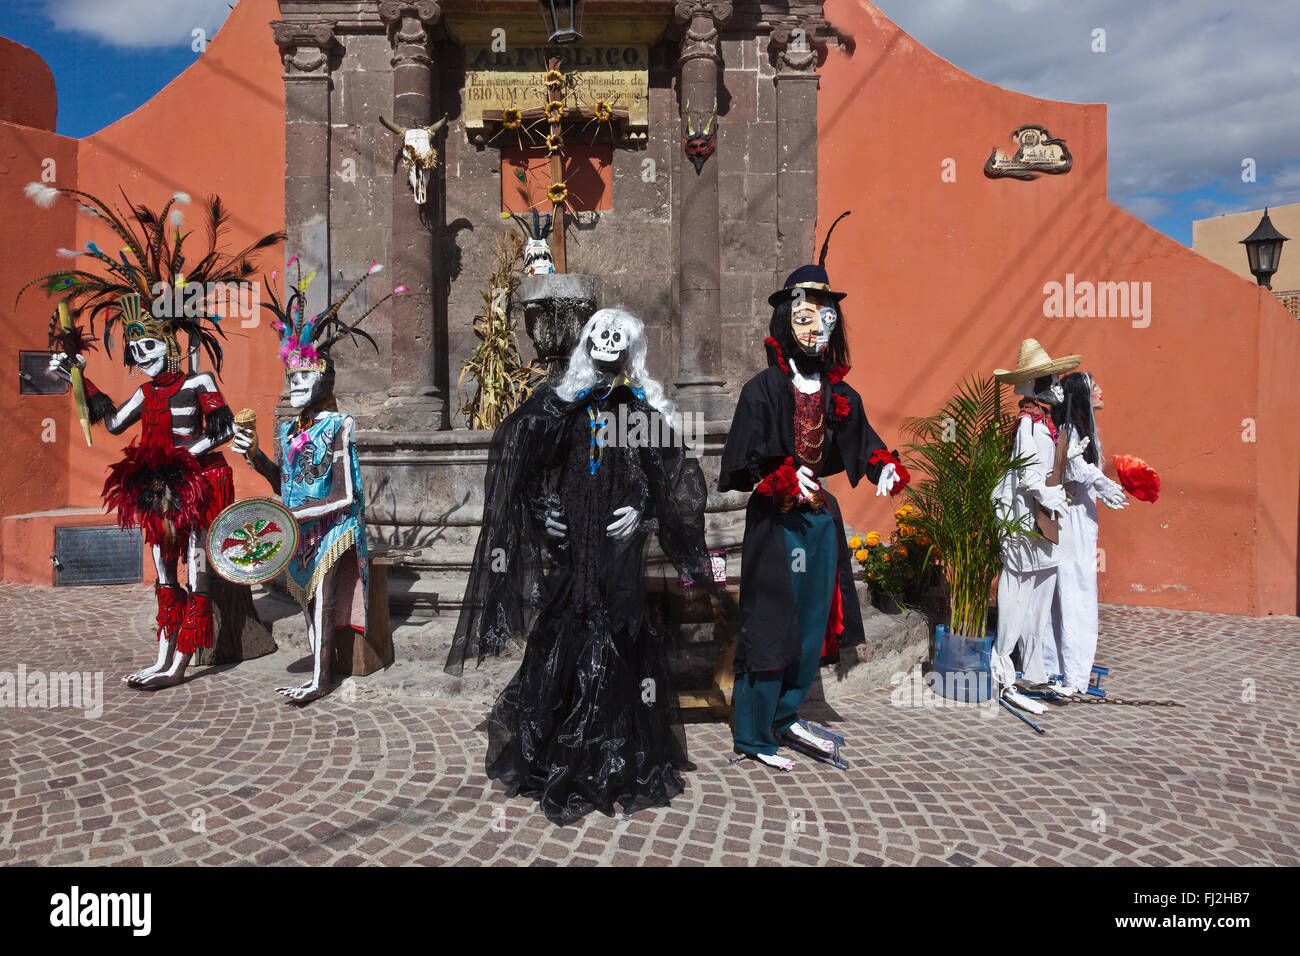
{"x":895,"y":643}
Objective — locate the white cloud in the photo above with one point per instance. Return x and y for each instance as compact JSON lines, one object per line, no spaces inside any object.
{"x":139,"y":24}
{"x":1193,"y":87}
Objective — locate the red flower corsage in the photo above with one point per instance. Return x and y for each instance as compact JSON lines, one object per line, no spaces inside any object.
{"x":882,"y":457}
{"x":840,"y":408}
{"x":783,"y":481}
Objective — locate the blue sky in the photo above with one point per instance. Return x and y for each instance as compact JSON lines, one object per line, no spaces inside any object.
{"x":109,"y":56}
{"x":1194,"y":87}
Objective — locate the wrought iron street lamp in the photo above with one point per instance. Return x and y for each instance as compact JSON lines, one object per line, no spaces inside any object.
{"x":1263,"y":249}
{"x":563,"y":20}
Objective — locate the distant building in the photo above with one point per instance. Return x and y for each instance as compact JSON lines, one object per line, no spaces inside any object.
{"x":1219,"y":240}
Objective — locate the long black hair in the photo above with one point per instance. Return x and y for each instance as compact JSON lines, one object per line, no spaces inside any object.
{"x":835,"y":354}
{"x":1076,"y":410}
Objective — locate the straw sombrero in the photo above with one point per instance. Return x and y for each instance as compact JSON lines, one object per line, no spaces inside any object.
{"x":1035,"y":362}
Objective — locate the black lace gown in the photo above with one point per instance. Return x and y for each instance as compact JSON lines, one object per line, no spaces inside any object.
{"x":589,"y":720}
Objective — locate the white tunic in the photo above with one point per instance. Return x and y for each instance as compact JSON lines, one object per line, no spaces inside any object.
{"x":1074,"y":611}
{"x":1018,"y":494}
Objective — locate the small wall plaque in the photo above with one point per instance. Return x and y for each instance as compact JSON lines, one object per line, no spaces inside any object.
{"x":98,"y":555}
{"x":1038,"y":152}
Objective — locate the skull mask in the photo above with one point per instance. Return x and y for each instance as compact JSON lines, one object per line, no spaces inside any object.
{"x":149,"y":355}
{"x":537,"y":258}
{"x":812,"y":321}
{"x":1045,"y":388}
{"x":608,"y":345}
{"x":306,"y":386}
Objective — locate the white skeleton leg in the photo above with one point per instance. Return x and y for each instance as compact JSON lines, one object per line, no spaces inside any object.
{"x":167,"y":644}
{"x":320,"y":637}
{"x":172,"y":674}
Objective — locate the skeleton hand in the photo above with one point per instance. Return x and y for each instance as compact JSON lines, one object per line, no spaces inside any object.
{"x":245,"y":440}
{"x":61,"y":365}
{"x":808,"y":484}
{"x":1076,"y":448}
{"x":888,"y":478}
{"x":555,"y":528}
{"x":624,"y":523}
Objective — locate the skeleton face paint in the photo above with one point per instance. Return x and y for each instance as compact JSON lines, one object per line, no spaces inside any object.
{"x":150,"y":355}
{"x":608,"y":344}
{"x":812,"y":320}
{"x":303,"y":386}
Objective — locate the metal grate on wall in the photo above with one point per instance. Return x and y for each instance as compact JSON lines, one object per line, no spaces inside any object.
{"x":34,"y":377}
{"x":102,"y":555}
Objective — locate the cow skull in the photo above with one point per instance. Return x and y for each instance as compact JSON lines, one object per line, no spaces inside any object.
{"x":419,"y":156}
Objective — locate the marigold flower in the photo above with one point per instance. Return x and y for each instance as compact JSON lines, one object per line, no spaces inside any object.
{"x":855,"y":542}
{"x":862,"y":554}
{"x":872,"y":539}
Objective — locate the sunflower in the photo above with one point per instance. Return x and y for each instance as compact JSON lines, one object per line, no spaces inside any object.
{"x":554,"y":110}
{"x":554,"y":144}
{"x":512,"y":118}
{"x":553,"y":78}
{"x":604,"y":112}
{"x":557,"y":193}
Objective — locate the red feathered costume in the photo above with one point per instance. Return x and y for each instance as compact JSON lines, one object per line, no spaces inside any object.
{"x":170,"y":494}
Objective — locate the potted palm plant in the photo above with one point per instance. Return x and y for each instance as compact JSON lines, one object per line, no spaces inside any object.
{"x":958,"y":458}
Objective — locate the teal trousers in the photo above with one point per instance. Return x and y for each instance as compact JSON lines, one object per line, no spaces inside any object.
{"x":766,"y":703}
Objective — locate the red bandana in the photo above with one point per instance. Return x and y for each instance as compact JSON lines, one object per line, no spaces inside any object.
{"x":1035,"y":411}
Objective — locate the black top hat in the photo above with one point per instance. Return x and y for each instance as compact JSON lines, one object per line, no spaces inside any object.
{"x":811,"y":277}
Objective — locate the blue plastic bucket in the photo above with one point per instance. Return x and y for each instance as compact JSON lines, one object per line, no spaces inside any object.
{"x":961,"y":668}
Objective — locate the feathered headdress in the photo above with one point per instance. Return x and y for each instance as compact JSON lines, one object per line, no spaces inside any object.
{"x":305,"y":343}
{"x":126,"y":290}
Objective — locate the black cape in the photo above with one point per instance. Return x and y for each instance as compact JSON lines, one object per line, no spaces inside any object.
{"x":589,"y":719}
{"x":760,"y":440}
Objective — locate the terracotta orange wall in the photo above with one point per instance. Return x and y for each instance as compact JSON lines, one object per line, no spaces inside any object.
{"x":946,"y":278}
{"x":33,"y":472}
{"x":217,"y":128}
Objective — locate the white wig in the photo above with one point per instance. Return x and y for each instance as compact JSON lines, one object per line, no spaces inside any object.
{"x":582,"y":373}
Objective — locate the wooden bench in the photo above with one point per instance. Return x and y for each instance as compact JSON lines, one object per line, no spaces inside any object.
{"x":358,"y":655}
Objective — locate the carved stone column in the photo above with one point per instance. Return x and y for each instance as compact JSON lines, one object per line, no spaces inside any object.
{"x":418,"y":391}
{"x":699,"y":378}
{"x":305,"y":49}
{"x":795,"y":58}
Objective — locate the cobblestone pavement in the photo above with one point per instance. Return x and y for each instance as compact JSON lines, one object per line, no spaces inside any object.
{"x":222,"y":770}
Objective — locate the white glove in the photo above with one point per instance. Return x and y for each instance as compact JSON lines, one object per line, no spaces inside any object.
{"x":554,"y":527}
{"x":61,"y":365}
{"x":1077,"y":448}
{"x":1053,"y":499}
{"x":888,"y":478}
{"x":1114,"y":498}
{"x":624,"y":523}
{"x":807,"y":482}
